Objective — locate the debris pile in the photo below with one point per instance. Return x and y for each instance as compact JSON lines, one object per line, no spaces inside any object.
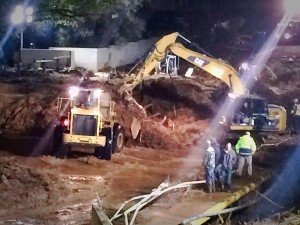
{"x":26,"y":186}
{"x":279,"y":81}
{"x":27,"y":114}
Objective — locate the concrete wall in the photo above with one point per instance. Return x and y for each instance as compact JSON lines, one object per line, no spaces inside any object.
{"x":92,"y":58}
{"x":286,"y":50}
{"x":122,"y":55}
{"x":82,"y":57}
{"x":29,"y":56}
{"x":113,"y":56}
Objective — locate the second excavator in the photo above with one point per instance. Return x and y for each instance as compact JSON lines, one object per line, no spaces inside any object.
{"x":250,"y":112}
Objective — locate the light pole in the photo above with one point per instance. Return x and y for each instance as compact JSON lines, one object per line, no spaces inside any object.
{"x":20,"y":16}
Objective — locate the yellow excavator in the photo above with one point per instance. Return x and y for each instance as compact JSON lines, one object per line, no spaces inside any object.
{"x":252,"y":113}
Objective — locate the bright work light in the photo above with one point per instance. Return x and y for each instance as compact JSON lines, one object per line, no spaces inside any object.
{"x":245,"y":66}
{"x":97,"y":93}
{"x":287,"y":36}
{"x":73,"y":92}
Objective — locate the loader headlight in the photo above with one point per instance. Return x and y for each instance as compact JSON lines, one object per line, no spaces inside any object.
{"x":97,"y":93}
{"x":223,"y":120}
{"x":73,"y":92}
{"x":232,"y":95}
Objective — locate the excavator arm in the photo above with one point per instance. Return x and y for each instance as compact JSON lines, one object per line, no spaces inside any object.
{"x":151,"y":62}
{"x":215,"y":67}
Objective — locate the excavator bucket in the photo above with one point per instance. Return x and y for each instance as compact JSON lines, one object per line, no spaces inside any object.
{"x":135,"y":127}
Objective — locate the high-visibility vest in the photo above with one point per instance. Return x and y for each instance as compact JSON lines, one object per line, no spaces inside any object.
{"x":296,"y":110}
{"x":245,"y":145}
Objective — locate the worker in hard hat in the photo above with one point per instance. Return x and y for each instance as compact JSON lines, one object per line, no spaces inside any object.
{"x":209,"y":166}
{"x":228,"y":160}
{"x":296,"y":115}
{"x":218,"y":153}
{"x":245,"y":149}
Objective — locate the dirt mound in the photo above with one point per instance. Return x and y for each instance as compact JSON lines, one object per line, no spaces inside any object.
{"x":162,"y":127}
{"x":177,"y":109}
{"x":279,"y":81}
{"x":27,"y":114}
{"x":202,"y":93}
{"x":26,"y":186}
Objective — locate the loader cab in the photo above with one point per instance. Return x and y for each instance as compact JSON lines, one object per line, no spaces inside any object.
{"x":86,"y":97}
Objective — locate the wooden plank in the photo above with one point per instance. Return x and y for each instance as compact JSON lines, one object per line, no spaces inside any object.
{"x":44,"y":60}
{"x":61,"y":57}
{"x":98,"y":216}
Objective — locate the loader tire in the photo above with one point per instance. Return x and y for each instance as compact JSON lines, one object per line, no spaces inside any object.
{"x":104,"y":152}
{"x":118,"y":139}
{"x":57,"y":140}
{"x":63,"y":152}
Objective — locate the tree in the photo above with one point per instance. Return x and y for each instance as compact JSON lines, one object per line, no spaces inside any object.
{"x":107,"y":21}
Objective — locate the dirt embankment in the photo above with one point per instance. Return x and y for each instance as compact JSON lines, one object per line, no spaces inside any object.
{"x":21,"y":186}
{"x":279,"y":81}
{"x":28,"y":109}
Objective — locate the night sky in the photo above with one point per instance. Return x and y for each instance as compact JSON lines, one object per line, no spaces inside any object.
{"x":225,"y":28}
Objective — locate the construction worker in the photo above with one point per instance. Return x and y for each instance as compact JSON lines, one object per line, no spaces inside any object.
{"x":296,"y":115}
{"x":245,"y":148}
{"x":217,"y":148}
{"x":228,"y":159}
{"x":209,"y":165}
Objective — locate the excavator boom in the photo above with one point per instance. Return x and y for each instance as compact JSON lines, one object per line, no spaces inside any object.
{"x":215,"y":67}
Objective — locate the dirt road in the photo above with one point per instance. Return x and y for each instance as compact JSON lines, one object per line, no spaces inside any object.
{"x":46,"y":190}
{"x":59,"y":191}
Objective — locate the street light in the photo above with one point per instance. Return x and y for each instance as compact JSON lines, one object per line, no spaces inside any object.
{"x":245,"y":66}
{"x":20,"y":15}
{"x":287,"y":36}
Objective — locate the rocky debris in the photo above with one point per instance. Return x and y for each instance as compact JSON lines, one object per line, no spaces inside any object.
{"x":202,"y":93}
{"x":25,"y":221}
{"x":282,"y":84}
{"x":26,"y":186}
{"x":172,"y":132}
{"x":80,"y":72}
{"x":168,"y":130}
{"x":29,"y":113}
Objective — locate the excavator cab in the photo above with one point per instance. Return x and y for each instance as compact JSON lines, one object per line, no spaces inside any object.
{"x":254,"y":113}
{"x":169,"y":66}
{"x":251,"y":111}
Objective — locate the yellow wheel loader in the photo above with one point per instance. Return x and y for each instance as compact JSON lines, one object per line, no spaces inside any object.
{"x":87,"y":123}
